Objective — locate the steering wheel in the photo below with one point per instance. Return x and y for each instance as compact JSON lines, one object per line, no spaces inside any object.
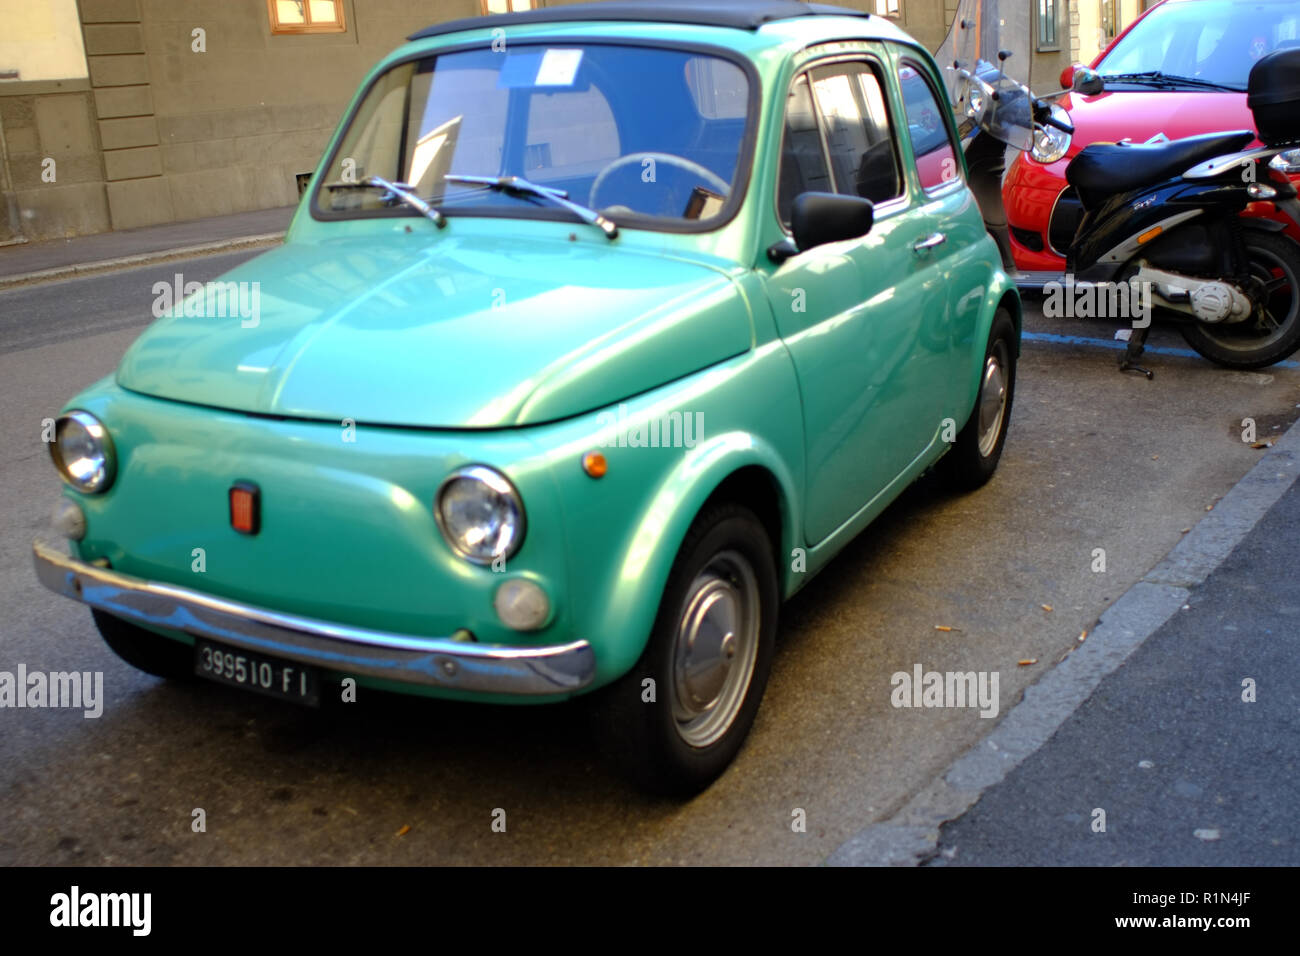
{"x":710,"y":178}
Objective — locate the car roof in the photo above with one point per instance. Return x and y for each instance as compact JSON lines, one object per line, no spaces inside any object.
{"x":737,"y":14}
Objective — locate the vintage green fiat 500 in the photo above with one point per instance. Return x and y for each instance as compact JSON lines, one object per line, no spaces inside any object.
{"x":599,"y":331}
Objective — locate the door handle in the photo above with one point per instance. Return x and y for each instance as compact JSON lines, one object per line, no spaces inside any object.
{"x":930,"y":242}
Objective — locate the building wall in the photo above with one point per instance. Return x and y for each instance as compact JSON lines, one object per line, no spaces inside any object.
{"x":40,"y":40}
{"x":1088,"y":37}
{"x":183,"y":109}
{"x":50,"y":169}
{"x":235,"y":118}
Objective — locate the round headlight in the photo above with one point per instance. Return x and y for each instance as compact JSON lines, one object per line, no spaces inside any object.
{"x":83,"y":452}
{"x":480,"y":514}
{"x":1050,"y":143}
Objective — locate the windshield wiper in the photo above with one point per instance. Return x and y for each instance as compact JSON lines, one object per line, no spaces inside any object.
{"x":516,"y":185}
{"x":400,"y":191}
{"x":1158,"y":78}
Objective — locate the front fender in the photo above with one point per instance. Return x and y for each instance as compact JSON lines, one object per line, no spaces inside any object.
{"x":624,"y":530}
{"x":645,"y":566}
{"x":1260,"y":224}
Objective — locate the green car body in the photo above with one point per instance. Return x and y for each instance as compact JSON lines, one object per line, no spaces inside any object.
{"x":388,"y":353}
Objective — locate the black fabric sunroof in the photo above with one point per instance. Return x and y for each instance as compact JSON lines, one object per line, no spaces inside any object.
{"x":741,"y":14}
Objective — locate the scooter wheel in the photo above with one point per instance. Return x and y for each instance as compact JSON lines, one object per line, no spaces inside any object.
{"x":1259,"y":342}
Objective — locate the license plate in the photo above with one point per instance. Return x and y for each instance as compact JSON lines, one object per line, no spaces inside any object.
{"x":287,"y":680}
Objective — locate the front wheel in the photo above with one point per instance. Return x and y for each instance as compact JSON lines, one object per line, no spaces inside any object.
{"x":1273,"y":332}
{"x":677,"y":719}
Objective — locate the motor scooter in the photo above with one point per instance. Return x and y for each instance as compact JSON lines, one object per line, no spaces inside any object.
{"x":1161,"y":221}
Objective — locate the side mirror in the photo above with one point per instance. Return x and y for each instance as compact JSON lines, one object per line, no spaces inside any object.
{"x":1067,"y":77}
{"x":1086,"y":81}
{"x":819,"y":218}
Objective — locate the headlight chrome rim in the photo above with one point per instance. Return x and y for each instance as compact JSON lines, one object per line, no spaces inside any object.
{"x":501,"y":486}
{"x":101,"y":478}
{"x":1051,"y":144}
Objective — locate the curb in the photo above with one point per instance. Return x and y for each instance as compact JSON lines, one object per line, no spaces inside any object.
{"x":140,"y":259}
{"x":911,"y":835}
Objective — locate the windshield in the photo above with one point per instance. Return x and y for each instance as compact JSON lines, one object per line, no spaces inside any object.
{"x":1216,"y":41}
{"x":985,"y":59}
{"x":634,"y":132}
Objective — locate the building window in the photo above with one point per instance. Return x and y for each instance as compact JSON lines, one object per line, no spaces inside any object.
{"x":1047,"y":25}
{"x":306,"y":16}
{"x":505,"y":6}
{"x":1109,"y":19}
{"x":889,"y":8}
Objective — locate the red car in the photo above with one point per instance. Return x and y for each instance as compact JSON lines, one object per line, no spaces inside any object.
{"x":1179,"y":70}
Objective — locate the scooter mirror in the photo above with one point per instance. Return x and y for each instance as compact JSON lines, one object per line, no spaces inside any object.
{"x":1086,"y":80}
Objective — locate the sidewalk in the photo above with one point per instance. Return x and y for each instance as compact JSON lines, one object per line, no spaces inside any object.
{"x":61,"y":258}
{"x":1178,"y":718}
{"x":1187,"y":772}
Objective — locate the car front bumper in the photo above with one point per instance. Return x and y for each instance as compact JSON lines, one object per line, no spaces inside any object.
{"x":350,"y":651}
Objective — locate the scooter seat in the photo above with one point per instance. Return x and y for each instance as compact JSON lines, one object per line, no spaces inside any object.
{"x":1104,"y":169}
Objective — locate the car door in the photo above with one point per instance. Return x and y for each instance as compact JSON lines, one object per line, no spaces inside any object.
{"x":951,"y":266}
{"x":850,"y":312}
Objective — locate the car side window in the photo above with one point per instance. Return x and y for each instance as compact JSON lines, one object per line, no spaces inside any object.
{"x":803,"y":162}
{"x":932,"y":147}
{"x":850,"y":99}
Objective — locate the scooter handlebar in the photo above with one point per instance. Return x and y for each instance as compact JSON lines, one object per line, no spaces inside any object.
{"x":1043,"y":116}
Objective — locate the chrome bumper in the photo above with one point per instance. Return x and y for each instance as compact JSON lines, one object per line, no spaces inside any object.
{"x":426,"y":661}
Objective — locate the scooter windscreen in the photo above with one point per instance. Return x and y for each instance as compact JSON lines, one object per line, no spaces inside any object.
{"x":986,"y":48}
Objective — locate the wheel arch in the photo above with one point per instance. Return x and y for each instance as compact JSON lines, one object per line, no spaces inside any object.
{"x":1001,"y":294}
{"x":737,"y":467}
{"x":755,"y":487}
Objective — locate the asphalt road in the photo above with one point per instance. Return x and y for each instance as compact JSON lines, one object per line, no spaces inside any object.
{"x":1190,"y":765}
{"x":1095,"y":460}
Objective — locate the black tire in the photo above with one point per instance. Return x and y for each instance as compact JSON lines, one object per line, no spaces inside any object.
{"x":648,"y":739}
{"x":1240,"y":346}
{"x":971,"y":463}
{"x":144,"y":650}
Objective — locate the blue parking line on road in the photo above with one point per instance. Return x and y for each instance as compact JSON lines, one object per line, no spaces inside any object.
{"x":1118,"y":346}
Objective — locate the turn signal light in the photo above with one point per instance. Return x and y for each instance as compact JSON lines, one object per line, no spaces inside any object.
{"x":244,"y":516}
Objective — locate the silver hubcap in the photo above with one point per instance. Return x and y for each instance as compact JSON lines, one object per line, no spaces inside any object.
{"x":993,"y":404}
{"x":715,"y":649}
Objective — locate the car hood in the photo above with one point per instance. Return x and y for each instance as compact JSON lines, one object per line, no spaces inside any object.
{"x":1141,"y":114}
{"x":458,"y":332}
